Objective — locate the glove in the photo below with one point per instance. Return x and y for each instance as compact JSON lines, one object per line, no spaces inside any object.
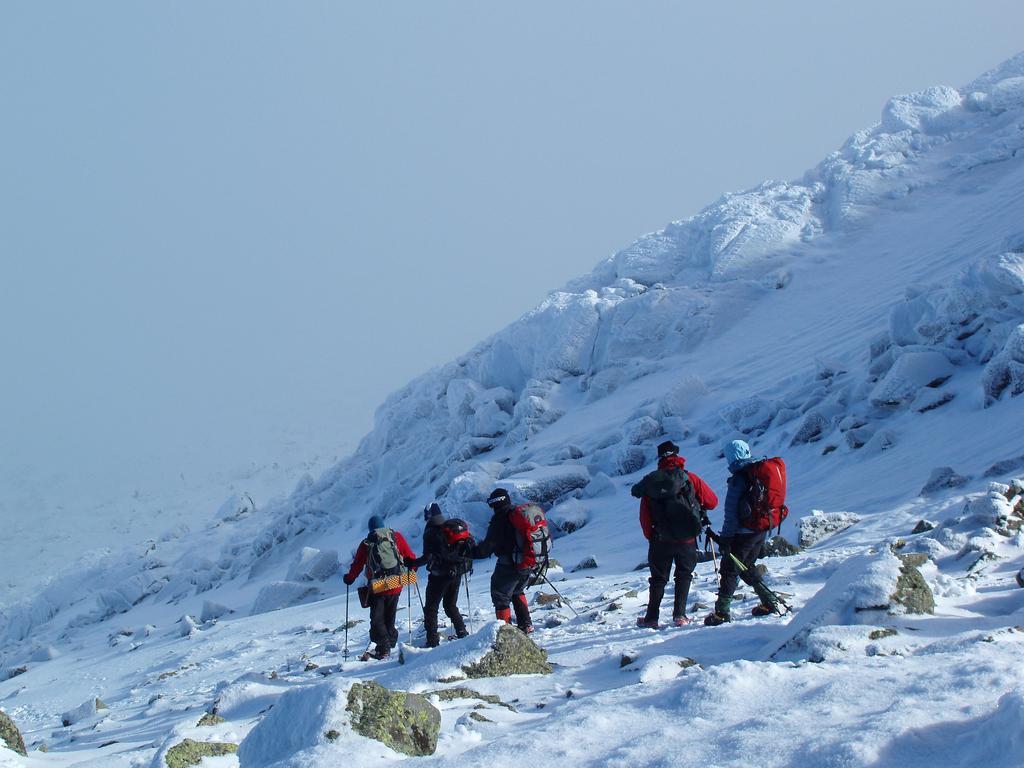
{"x":348,"y":580}
{"x":704,"y":520}
{"x":410,"y":562}
{"x":712,"y":535}
{"x":725,"y":545}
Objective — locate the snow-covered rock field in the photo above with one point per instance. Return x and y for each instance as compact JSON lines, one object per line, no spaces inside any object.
{"x":866,"y":322}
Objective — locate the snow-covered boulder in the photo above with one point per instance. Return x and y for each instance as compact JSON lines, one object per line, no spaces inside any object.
{"x":568,"y":517}
{"x":864,"y":590}
{"x":327,"y":723}
{"x":943,"y":478}
{"x":585,"y":564}
{"x":820,"y":525}
{"x":1005,"y":372}
{"x":313,"y":564}
{"x":83,"y":711}
{"x":10,"y":735}
{"x":283,"y":594}
{"x":910,"y":373}
{"x":46,"y":653}
{"x":213,"y":611}
{"x":546,"y":485}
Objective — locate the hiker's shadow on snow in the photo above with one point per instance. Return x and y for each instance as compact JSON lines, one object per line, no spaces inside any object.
{"x":991,"y":740}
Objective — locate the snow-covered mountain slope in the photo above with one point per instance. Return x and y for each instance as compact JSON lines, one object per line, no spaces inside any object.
{"x":866,"y":322}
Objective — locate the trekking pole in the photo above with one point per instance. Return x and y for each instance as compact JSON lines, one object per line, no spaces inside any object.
{"x":469,"y":605}
{"x":775,"y":596}
{"x":714,"y":560}
{"x":419,"y":596}
{"x":408,"y":595}
{"x":344,"y":653}
{"x":560,"y":597}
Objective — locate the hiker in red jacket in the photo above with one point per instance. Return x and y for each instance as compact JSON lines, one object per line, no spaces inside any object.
{"x":382,"y":553}
{"x":673,"y":509}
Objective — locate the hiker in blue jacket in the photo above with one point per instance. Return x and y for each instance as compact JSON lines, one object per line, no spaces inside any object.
{"x":742,"y":542}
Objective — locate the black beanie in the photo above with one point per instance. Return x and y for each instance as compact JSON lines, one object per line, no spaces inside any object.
{"x":432,"y":510}
{"x":668,"y":448}
{"x":498,"y":498}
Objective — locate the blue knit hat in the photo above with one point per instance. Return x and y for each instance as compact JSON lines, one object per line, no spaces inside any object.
{"x":737,"y":452}
{"x":376,"y":522}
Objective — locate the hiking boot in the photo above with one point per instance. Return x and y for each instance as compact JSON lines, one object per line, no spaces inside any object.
{"x":716,"y":618}
{"x":433,"y":642}
{"x":644,"y":623}
{"x":379,"y":653}
{"x":527,"y":630}
{"x":769,"y":600}
{"x":461,"y":633}
{"x":681,"y":621}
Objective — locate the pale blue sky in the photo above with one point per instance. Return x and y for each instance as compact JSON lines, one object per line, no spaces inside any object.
{"x":226,"y":223}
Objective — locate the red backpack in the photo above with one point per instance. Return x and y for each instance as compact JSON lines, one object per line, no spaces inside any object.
{"x":454,"y":531}
{"x":765,"y":506}
{"x":533,"y":540}
{"x":458,"y":542}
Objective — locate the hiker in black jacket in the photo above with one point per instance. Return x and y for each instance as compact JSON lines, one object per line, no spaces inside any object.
{"x":671,"y":527}
{"x":445,"y":567}
{"x":508,"y":582}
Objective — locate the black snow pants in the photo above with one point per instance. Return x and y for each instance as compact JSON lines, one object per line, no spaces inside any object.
{"x":508,"y":587}
{"x":747,"y":549}
{"x":383,"y":631}
{"x":661,"y":555}
{"x":442,"y":589}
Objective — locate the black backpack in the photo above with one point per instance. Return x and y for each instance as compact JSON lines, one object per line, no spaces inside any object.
{"x":672,"y":503}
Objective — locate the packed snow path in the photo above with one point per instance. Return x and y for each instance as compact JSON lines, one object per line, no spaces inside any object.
{"x":826,"y":686}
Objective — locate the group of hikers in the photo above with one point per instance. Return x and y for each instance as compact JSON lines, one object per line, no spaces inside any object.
{"x":673,"y":515}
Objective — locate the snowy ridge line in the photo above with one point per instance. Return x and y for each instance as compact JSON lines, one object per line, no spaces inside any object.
{"x":642,"y":316}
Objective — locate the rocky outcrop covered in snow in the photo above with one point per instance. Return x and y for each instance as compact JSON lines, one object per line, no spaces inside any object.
{"x":10,"y":735}
{"x":406,"y":722}
{"x":189,"y":753}
{"x":513,"y":653}
{"x":820,"y":525}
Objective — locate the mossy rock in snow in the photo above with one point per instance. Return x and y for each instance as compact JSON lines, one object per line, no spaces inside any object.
{"x":10,"y":735}
{"x":780,"y":546}
{"x":912,"y":591}
{"x":460,"y":692}
{"x":210,"y":719}
{"x":405,"y":722}
{"x":189,"y":753}
{"x":513,"y":653}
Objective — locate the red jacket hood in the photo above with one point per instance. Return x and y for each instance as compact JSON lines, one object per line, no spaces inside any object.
{"x":672,"y":462}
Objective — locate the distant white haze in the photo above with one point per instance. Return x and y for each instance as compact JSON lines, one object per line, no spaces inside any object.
{"x":228,"y":231}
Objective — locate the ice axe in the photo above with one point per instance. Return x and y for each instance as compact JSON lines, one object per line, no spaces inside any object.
{"x":548,"y":582}
{"x":778,"y":600}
